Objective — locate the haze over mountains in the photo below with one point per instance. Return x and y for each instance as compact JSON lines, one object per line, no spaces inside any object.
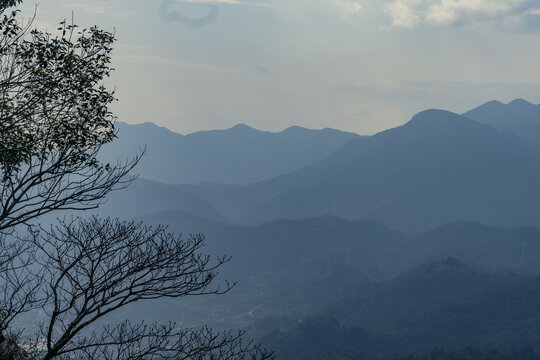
{"x":309,"y":251}
{"x":320,"y":285}
{"x":239,"y":155}
{"x":439,"y":305}
{"x":421,"y":236}
{"x":519,"y":117}
{"x":439,"y":167}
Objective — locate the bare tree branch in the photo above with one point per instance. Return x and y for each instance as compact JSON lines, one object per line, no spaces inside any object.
{"x":92,"y":267}
{"x":54,"y":120}
{"x":128,"y":341}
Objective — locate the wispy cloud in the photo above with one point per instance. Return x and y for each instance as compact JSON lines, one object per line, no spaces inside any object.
{"x":451,"y":11}
{"x":533,"y":12}
{"x":410,"y":13}
{"x":148,"y":59}
{"x":403,"y":13}
{"x":348,"y":7}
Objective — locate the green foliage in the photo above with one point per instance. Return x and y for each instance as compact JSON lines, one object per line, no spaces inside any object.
{"x":54,"y":119}
{"x":52,"y":97}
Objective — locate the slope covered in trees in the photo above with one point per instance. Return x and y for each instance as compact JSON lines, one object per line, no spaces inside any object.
{"x":294,"y":268}
{"x":444,"y":304}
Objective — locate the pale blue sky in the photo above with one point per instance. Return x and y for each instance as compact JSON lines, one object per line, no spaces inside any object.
{"x":356,"y":65}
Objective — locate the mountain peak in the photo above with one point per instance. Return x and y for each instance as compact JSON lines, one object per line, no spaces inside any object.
{"x":493,"y":103}
{"x":146,"y":127}
{"x":438,"y":119}
{"x":495,"y":108}
{"x":295,"y":130}
{"x":517,"y":116}
{"x":436,"y":114}
{"x":242,"y":127}
{"x":520,"y":102}
{"x":434,"y":124}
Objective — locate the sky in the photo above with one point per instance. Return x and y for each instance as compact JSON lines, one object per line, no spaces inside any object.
{"x":355,"y":65}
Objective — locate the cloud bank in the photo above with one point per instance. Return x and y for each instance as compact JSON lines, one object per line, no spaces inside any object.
{"x":507,"y":14}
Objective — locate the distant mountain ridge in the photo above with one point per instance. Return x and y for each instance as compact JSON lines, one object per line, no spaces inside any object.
{"x":518,"y":117}
{"x":239,"y":155}
{"x":461,"y":267}
{"x":438,"y":168}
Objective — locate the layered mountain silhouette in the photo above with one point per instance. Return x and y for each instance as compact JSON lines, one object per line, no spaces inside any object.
{"x":518,"y":117}
{"x":440,"y":167}
{"x":320,"y":248}
{"x":419,"y":236}
{"x":145,"y":197}
{"x":239,"y":155}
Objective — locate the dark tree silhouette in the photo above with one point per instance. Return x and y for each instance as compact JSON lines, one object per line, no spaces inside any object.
{"x":54,"y":119}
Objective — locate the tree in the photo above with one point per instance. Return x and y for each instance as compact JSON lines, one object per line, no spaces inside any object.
{"x":54,"y":119}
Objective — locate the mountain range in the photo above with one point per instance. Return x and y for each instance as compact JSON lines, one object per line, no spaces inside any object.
{"x":518,"y":117}
{"x":439,"y":167}
{"x":420,"y":236}
{"x":239,"y":155}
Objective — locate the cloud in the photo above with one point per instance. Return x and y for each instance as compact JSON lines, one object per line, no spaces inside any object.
{"x":348,"y":7}
{"x":433,"y":88}
{"x":497,"y":13}
{"x":533,"y":12}
{"x":450,"y":11}
{"x":402,"y":13}
{"x":170,"y":15}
